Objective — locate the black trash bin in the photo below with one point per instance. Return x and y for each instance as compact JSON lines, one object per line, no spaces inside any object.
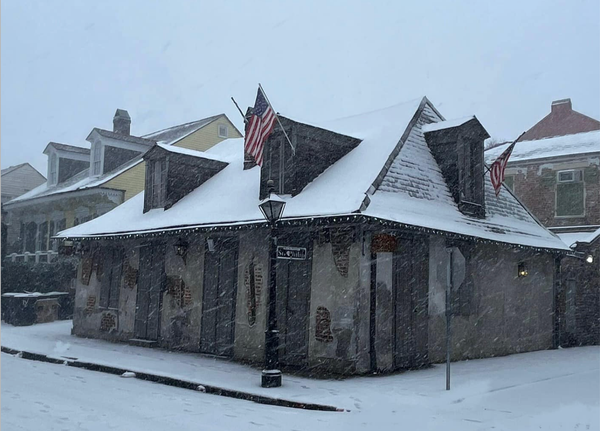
{"x":27,"y":308}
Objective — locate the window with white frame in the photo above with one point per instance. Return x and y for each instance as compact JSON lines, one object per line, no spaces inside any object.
{"x":570,"y":193}
{"x":509,"y":181}
{"x":223,"y":131}
{"x":53,"y":174}
{"x":97,"y":165}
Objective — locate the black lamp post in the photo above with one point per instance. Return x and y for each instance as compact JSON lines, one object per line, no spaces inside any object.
{"x":272,"y":209}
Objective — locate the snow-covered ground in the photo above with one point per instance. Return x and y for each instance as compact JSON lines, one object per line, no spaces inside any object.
{"x":557,"y":389}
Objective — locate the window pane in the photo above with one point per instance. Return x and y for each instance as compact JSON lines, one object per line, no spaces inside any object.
{"x":569,"y":199}
{"x":509,"y":181}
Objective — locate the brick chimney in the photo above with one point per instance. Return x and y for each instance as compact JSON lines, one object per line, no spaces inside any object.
{"x":562,"y":106}
{"x":122,"y":122}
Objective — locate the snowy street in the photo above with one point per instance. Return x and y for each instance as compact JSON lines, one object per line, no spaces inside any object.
{"x":547,"y":390}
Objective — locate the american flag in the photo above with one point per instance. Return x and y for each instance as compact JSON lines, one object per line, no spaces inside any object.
{"x":499,"y":166}
{"x":259,"y":127}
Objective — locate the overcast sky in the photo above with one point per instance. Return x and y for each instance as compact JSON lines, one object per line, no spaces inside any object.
{"x":67,"y":65}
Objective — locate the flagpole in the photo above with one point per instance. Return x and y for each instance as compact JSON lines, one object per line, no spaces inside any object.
{"x":487,"y":168}
{"x":276,"y":116}
{"x":238,"y":108}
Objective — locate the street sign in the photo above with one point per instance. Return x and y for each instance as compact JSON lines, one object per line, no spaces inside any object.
{"x":292,"y":253}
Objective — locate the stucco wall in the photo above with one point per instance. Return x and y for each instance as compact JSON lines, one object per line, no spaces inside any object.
{"x":181,"y":320}
{"x":509,"y":314}
{"x":340,"y":295}
{"x":88,"y":315}
{"x":250,"y":337}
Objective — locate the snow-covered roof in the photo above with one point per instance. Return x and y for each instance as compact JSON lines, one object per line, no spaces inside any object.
{"x":82,"y":180}
{"x":188,"y":152}
{"x":175,"y":133}
{"x":448,"y":124}
{"x":569,"y":145}
{"x":67,"y":147}
{"x":572,"y":238}
{"x":413,"y":191}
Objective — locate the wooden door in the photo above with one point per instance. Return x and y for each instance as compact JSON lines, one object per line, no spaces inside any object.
{"x":218,"y":302}
{"x":411,"y":286}
{"x":150,"y":287}
{"x":293,"y":298}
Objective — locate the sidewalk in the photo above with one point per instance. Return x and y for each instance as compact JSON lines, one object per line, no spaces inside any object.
{"x":533,"y":386}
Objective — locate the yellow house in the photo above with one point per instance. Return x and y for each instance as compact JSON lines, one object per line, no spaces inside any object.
{"x":86,"y":183}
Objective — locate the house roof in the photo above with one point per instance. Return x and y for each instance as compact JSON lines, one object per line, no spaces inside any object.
{"x":560,"y":146}
{"x":572,"y":238}
{"x":66,"y":147}
{"x":562,"y":120}
{"x":179,"y":132}
{"x":412,"y":191}
{"x":121,"y":137}
{"x":13,"y":168}
{"x":449,"y":124}
{"x":83,"y":181}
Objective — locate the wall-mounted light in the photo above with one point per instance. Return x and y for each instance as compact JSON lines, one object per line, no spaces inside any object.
{"x":181,"y":248}
{"x":522,"y":269}
{"x":589,"y":258}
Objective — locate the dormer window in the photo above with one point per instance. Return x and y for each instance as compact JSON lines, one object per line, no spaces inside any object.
{"x":97,"y":159}
{"x":223,"y":131}
{"x":65,"y":161}
{"x":457,"y":147}
{"x":172,"y":173}
{"x":53,"y":172}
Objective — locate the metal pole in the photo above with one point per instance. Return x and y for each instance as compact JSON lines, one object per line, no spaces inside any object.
{"x":271,"y":375}
{"x":238,"y":108}
{"x":448,"y":315}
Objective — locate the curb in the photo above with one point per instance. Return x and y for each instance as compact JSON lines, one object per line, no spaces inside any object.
{"x":172,"y":381}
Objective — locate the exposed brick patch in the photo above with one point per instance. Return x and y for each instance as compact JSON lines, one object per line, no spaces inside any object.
{"x":341,"y":240}
{"x":177,"y":290}
{"x":187,"y":296}
{"x":86,"y":269}
{"x":98,"y":263}
{"x":323,"y":325}
{"x":382,"y":243}
{"x":131,"y":275}
{"x":108,"y":322}
{"x":253,"y":282}
{"x":91,"y":303}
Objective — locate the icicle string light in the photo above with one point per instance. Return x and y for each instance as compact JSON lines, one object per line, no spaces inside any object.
{"x":353,"y":219}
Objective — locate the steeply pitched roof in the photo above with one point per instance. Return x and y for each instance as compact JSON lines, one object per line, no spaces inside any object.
{"x":561,"y":146}
{"x":66,"y":147}
{"x":562,"y":120}
{"x":412,"y":192}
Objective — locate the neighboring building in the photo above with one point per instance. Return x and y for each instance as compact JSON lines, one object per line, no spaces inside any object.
{"x":372,"y":204}
{"x":83,"y":184}
{"x":555,"y":170}
{"x":19,"y":179}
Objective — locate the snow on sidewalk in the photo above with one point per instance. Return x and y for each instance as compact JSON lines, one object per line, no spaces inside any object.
{"x":551,"y":389}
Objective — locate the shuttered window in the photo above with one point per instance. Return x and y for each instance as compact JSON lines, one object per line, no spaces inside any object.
{"x":156,"y":184}
{"x":111,"y":278}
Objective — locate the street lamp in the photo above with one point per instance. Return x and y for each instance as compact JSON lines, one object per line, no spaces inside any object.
{"x":272,"y":209}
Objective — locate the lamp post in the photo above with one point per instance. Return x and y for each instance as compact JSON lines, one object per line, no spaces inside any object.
{"x":272,"y":209}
